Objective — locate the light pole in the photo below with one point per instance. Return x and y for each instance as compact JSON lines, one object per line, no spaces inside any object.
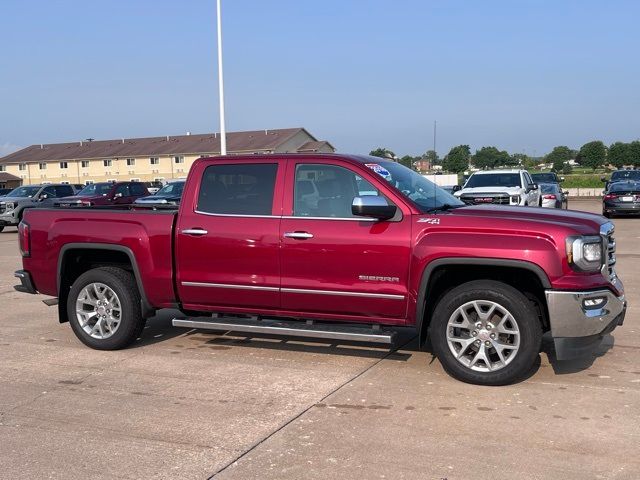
{"x":223,"y":133}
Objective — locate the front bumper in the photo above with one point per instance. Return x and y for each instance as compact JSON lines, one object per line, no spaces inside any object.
{"x":26,"y":285}
{"x":8,"y":219}
{"x":580,"y":319}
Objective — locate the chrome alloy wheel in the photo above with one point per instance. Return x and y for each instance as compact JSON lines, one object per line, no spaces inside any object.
{"x":98,"y":310}
{"x":483,"y":336}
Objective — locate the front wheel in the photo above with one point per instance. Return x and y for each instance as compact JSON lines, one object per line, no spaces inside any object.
{"x":486,"y":332}
{"x":1,"y":228}
{"x":104,"y":308}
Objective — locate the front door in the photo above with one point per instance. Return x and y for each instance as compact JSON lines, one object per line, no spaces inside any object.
{"x":227,"y":240}
{"x":334,"y":263}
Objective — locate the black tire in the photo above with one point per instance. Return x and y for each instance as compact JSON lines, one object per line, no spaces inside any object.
{"x":606,"y":214}
{"x":1,"y":228}
{"x":510,"y":299}
{"x":131,"y":322}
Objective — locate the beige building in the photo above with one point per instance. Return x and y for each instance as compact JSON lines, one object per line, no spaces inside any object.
{"x":145,"y":159}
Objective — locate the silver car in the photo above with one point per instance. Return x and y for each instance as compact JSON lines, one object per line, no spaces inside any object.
{"x":553,"y":196}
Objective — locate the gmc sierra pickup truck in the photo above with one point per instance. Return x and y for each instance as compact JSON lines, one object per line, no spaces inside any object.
{"x":336,"y":246}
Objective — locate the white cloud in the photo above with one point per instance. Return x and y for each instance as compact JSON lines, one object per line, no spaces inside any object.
{"x":7,"y":148}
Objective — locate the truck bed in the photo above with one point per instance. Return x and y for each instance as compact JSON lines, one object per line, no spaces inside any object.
{"x":146,"y":236}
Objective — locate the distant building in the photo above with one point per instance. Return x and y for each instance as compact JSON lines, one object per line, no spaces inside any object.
{"x":422,"y":165}
{"x":8,"y":181}
{"x":145,"y":159}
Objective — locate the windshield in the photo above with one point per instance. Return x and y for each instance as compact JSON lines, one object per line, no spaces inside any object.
{"x":549,"y":187}
{"x":172,"y":189}
{"x":96,"y":189}
{"x":625,"y":187}
{"x":23,"y":191}
{"x":544,"y":177}
{"x":625,"y":175}
{"x":493,"y":180}
{"x":425,"y":194}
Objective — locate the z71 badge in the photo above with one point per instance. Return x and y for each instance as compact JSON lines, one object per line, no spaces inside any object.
{"x":432,"y":221}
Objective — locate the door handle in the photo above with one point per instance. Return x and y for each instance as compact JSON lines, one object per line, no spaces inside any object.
{"x":194,"y":231}
{"x":298,"y":235}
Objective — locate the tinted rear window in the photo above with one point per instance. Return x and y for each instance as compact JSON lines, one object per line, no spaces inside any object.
{"x":239,"y":189}
{"x":494,"y":180}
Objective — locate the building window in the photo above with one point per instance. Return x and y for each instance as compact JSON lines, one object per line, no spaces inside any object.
{"x":131,"y":162}
{"x":135,"y":179}
{"x":154,"y":161}
{"x":64,"y":165}
{"x":2,"y":168}
{"x":22,"y":167}
{"x":159,"y":179}
{"x":85,"y":163}
{"x":112,"y":180}
{"x":89,"y":182}
{"x":42,"y":165}
{"x":107,"y":163}
{"x":178,"y":159}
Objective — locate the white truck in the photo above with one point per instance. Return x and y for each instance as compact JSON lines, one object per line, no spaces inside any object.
{"x":501,"y":187}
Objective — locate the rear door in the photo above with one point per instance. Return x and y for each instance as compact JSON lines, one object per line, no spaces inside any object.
{"x":334,"y":263}
{"x":227,"y":235}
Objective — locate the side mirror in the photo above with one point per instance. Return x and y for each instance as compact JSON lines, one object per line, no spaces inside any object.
{"x":561,"y":179}
{"x":44,"y":196}
{"x":456,"y":188}
{"x":372,"y":206}
{"x":603,"y":178}
{"x":566,"y":192}
{"x":117,"y":195}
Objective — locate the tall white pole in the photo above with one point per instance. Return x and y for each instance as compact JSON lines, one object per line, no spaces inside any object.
{"x":223,"y":133}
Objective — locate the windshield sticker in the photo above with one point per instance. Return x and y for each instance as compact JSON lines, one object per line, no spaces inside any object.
{"x":379,"y":169}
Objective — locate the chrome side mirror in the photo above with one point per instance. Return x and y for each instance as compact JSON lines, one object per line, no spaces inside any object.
{"x":373,"y":206}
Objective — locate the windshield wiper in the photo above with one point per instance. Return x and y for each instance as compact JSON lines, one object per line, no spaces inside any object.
{"x":443,"y":208}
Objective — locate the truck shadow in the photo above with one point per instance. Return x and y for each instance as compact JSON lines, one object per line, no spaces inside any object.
{"x":564,"y":367}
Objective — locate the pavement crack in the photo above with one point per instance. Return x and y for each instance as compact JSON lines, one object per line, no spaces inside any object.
{"x":306,"y":409}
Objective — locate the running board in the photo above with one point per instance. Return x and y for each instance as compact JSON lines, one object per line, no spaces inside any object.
{"x":292,"y":328}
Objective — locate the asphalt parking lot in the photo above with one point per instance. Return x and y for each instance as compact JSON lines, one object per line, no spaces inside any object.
{"x":190,"y":404}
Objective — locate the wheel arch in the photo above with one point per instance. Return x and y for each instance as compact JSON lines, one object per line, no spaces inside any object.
{"x":73,"y":261}
{"x":505,"y":270}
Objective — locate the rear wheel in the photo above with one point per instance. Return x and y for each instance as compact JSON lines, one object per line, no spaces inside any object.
{"x":104,"y":308}
{"x":1,"y":228}
{"x":486,"y":332}
{"x":606,"y":214}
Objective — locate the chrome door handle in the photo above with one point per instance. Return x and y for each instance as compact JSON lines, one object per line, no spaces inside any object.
{"x":298,"y":235}
{"x":194,"y":231}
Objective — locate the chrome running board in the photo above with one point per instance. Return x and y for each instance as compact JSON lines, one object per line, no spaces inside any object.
{"x":293,"y":328}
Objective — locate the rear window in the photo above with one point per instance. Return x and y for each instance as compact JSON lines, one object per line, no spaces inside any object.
{"x":626,"y":175}
{"x":239,"y":189}
{"x":625,"y":187}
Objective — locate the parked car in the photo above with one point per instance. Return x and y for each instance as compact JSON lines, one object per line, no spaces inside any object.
{"x":547,"y":177}
{"x":170,"y":194}
{"x":482,"y":283}
{"x":622,"y":198}
{"x":78,"y":187}
{"x":621,"y":176}
{"x":553,"y":196}
{"x":15,"y":203}
{"x":106,"y":193}
{"x":4,"y":191}
{"x":503,"y":187}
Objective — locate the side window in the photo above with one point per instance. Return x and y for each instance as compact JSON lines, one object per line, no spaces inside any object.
{"x":238,"y":189}
{"x":327,"y":191}
{"x":137,"y":190}
{"x":64,"y":191}
{"x":122,"y":189}
{"x":528,"y":179}
{"x":50,"y":191}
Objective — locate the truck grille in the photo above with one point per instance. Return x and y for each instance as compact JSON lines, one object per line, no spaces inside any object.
{"x":486,"y":198}
{"x":609,"y":244}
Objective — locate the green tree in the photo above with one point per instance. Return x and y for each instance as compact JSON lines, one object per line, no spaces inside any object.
{"x":567,"y":168}
{"x":407,"y":161}
{"x":382,"y":153}
{"x":490,"y":157}
{"x":558,"y":156}
{"x":593,"y":154}
{"x":432,"y":156}
{"x":633,"y":153}
{"x":520,"y":159}
{"x":457,"y":160}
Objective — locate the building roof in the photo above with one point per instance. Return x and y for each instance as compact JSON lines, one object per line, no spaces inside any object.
{"x":7,"y":177}
{"x":314,"y":146}
{"x":237,"y":142}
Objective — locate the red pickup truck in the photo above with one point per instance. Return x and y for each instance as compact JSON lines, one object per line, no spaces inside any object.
{"x":335,"y":246}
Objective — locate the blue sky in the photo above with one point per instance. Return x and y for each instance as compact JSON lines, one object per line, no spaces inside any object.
{"x":520,"y":75}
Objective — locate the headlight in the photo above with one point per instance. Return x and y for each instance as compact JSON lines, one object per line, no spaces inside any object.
{"x":10,"y":206}
{"x":585,"y":253}
{"x":515,"y":198}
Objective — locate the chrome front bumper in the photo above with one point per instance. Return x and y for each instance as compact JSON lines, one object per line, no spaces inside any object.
{"x":7,"y":218}
{"x":579,"y":320}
